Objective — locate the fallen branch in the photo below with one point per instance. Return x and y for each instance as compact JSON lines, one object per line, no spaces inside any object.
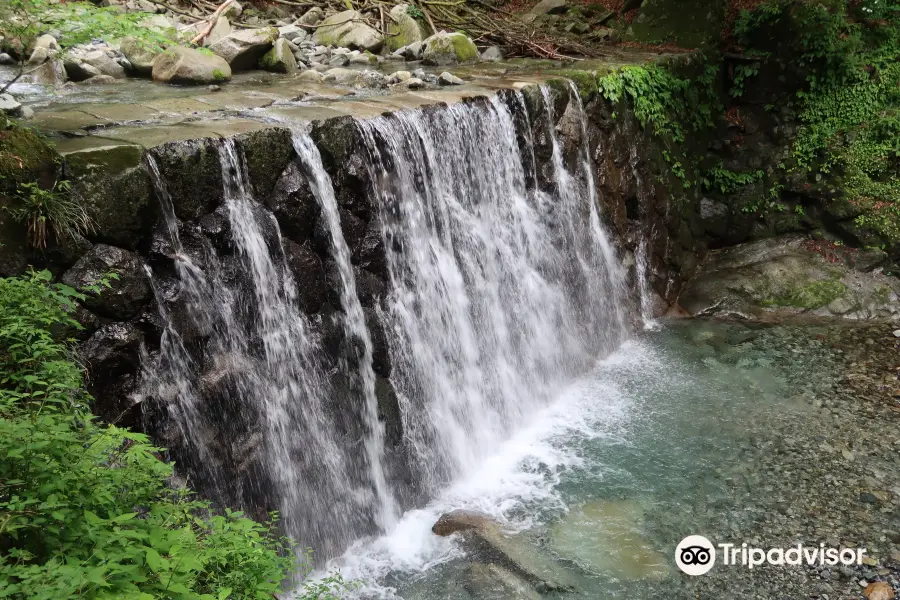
{"x":212,"y":22}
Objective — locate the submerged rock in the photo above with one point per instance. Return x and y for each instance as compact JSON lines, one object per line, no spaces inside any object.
{"x":606,"y":537}
{"x":449,"y":49}
{"x":493,"y":582}
{"x":485,"y":540}
{"x":182,"y":65}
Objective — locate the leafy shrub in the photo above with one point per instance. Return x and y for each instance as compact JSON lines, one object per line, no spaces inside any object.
{"x":850,"y":109}
{"x":85,"y":509}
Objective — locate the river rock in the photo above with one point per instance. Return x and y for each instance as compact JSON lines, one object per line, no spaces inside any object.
{"x":233,"y":10}
{"x":47,"y":42}
{"x":139,"y":55}
{"x":6,"y":59}
{"x":279,"y":59}
{"x":9,"y":105}
{"x":404,"y":29}
{"x":182,"y":65}
{"x":492,"y":54}
{"x":311,"y":17}
{"x":485,"y":540}
{"x":112,"y":356}
{"x":348,"y":29}
{"x":129,"y":291}
{"x":446,"y":78}
{"x":342,"y":76}
{"x":311,"y":76}
{"x":91,"y":61}
{"x":292,"y":33}
{"x":220,"y":30}
{"x":461,"y":520}
{"x":44,"y":68}
{"x":606,"y":537}
{"x":243,"y":49}
{"x":879,"y":590}
{"x":449,"y":49}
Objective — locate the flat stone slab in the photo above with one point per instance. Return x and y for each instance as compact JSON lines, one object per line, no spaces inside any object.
{"x":118,"y":113}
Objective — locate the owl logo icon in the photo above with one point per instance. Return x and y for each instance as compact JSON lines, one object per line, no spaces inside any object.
{"x":695,"y":555}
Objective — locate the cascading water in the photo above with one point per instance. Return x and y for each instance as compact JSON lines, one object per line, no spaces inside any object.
{"x":499,"y":294}
{"x":260,"y":364}
{"x":354,"y":324}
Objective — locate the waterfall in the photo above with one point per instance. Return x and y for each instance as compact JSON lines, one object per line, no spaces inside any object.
{"x":354,"y":323}
{"x":499,"y":294}
{"x":258,"y":364}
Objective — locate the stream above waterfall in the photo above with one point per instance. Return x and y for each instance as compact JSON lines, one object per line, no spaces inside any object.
{"x":739,"y":433}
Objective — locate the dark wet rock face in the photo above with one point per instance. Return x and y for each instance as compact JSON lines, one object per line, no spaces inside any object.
{"x":309,"y":275}
{"x":193,"y":176}
{"x":128,"y":289}
{"x":112,"y":356}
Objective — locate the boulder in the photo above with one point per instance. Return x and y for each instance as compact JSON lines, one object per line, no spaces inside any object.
{"x":50,"y":72}
{"x":243,"y":49}
{"x":47,"y":42}
{"x":99,"y":80}
{"x":220,"y":30}
{"x":311,"y":17}
{"x":233,"y":10}
{"x":492,"y":54}
{"x":129,"y":290}
{"x":789,"y":275}
{"x":311,"y":76}
{"x":449,"y":49}
{"x":292,"y":33}
{"x":293,"y":204}
{"x":112,"y":356}
{"x":279,"y":59}
{"x":180,"y":65}
{"x":9,"y":105}
{"x":404,"y":29}
{"x":486,"y":541}
{"x":348,"y":29}
{"x":94,"y":61}
{"x":398,"y":76}
{"x":139,"y":55}
{"x":461,"y":520}
{"x":114,"y":187}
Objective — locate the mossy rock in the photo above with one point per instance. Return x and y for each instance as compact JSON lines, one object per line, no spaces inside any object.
{"x":404,"y":29}
{"x":809,"y":295}
{"x":26,"y":157}
{"x":193,"y":175}
{"x":115,"y":189}
{"x":449,"y":49}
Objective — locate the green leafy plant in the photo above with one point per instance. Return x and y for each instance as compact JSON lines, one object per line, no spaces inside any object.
{"x":415,"y":12}
{"x":85,"y":508}
{"x":55,"y":210}
{"x":720,"y":179}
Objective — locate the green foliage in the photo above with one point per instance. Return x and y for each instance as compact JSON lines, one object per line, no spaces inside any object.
{"x":669,"y":105}
{"x":742,"y":73}
{"x":814,"y":294}
{"x":85,"y":509}
{"x":218,"y":75}
{"x":850,"y":110}
{"x":720,"y":179}
{"x":78,"y":23}
{"x":415,"y":12}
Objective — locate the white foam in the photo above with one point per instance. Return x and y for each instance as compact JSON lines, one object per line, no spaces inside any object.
{"x":521,"y":476}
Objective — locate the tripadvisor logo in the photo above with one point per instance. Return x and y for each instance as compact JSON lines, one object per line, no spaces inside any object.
{"x":696,"y":555}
